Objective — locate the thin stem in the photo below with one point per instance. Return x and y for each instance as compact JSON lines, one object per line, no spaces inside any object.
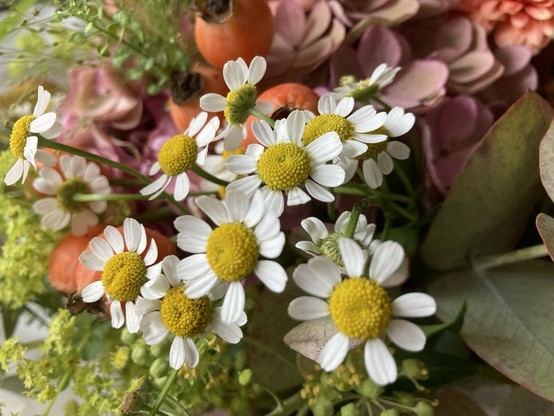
{"x":511,"y":257}
{"x":107,"y":197}
{"x":288,"y":406}
{"x":51,"y":144}
{"x":353,"y":220}
{"x":154,"y":214}
{"x":203,"y":174}
{"x":384,"y":104}
{"x":165,"y":389}
{"x":262,"y":116}
{"x":404,"y":179}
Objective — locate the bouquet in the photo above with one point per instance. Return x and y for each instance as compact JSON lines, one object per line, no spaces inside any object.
{"x":251,"y":207}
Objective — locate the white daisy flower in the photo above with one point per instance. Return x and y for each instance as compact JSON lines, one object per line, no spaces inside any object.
{"x":360,"y":308}
{"x":224,"y":256}
{"x":241,"y":80}
{"x":325,"y":243}
{"x":166,"y":309}
{"x":396,"y":124}
{"x":353,"y":128}
{"x":124,"y":270}
{"x":179,"y":154}
{"x":59,"y":209}
{"x":285,"y":164}
{"x":364,"y":89}
{"x":23,"y":143}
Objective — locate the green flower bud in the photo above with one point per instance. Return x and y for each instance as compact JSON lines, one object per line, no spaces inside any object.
{"x":407,"y":399}
{"x":424,"y":409}
{"x":71,"y":408}
{"x":369,"y":389}
{"x":245,"y":376}
{"x":159,"y":367}
{"x":159,"y":350}
{"x":414,"y":369}
{"x":350,"y":410}
{"x":159,"y":382}
{"x":141,"y":355}
{"x":389,"y":412}
{"x":323,"y":407}
{"x":127,"y":338}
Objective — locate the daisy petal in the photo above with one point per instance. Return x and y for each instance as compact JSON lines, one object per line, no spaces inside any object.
{"x":334,"y":352}
{"x":155,"y":288}
{"x":315,"y":228}
{"x":233,"y":302}
{"x":372,"y":174}
{"x":237,"y":204}
{"x":193,"y":267}
{"x":191,"y":353}
{"x":93,"y":292}
{"x":385,"y":163}
{"x":193,"y":233}
{"x":229,"y":332}
{"x":116,"y":311}
{"x":42,"y":123}
{"x":15,"y":173}
{"x":169,"y":265}
{"x":101,"y":248}
{"x":307,"y":308}
{"x":272,"y":248}
{"x":414,"y":305}
{"x":241,"y":164}
{"x":43,"y":99}
{"x":272,"y":275}
{"x":213,"y":102}
{"x":144,"y":306}
{"x":90,"y":261}
{"x":406,"y":335}
{"x":318,"y":277}
{"x":132,"y":233}
{"x":345,"y":106}
{"x":257,"y":70}
{"x":268,"y":227}
{"x":398,"y":150}
{"x":177,"y":353}
{"x":256,"y":210}
{"x":131,"y":318}
{"x":213,"y":208}
{"x":297,"y":196}
{"x":318,"y":192}
{"x":202,"y":286}
{"x":379,"y":362}
{"x":385,"y":261}
{"x":353,"y":256}
{"x":182,"y":187}
{"x":114,"y":237}
{"x":328,"y":175}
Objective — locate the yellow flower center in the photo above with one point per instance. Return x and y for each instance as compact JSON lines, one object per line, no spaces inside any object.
{"x":178,"y":154}
{"x":373,"y":150}
{"x":232,"y":251}
{"x":324,"y":123}
{"x":123,"y":276}
{"x":360,"y":308}
{"x":239,"y":103}
{"x":66,"y":192}
{"x":185,"y":317}
{"x":20,"y":132}
{"x":283,"y":166}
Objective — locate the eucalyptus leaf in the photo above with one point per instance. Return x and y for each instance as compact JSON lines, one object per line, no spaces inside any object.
{"x":486,"y":210}
{"x":523,"y":402}
{"x":271,"y":361}
{"x":509,"y":317}
{"x":453,"y":402}
{"x":545,"y":225}
{"x":546,"y":162}
{"x":455,"y":324}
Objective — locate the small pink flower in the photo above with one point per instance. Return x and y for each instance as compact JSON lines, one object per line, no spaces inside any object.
{"x":514,"y":22}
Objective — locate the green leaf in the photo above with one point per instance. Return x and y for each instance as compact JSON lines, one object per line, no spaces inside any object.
{"x":453,"y":402}
{"x":546,"y":162}
{"x":272,"y":362}
{"x":523,"y":402}
{"x":455,"y":324}
{"x":509,"y":318}
{"x":486,"y":210}
{"x":545,"y":225}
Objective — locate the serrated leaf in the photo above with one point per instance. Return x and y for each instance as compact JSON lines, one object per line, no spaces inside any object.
{"x":546,"y":161}
{"x":545,"y":225}
{"x":509,"y":317}
{"x":487,"y":208}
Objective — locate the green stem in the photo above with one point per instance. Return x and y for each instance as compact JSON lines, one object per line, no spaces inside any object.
{"x":384,"y":104}
{"x":165,"y":389}
{"x":262,"y":116}
{"x":203,"y":174}
{"x":154,"y":214}
{"x":288,"y":406}
{"x":51,"y":144}
{"x":511,"y":257}
{"x":107,"y":197}
{"x":353,"y":220}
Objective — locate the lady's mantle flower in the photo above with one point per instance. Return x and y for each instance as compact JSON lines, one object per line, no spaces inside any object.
{"x":241,"y":80}
{"x":166,"y":309}
{"x":179,"y":154}
{"x":325,"y":243}
{"x":23,"y":143}
{"x":123,"y":269}
{"x":230,"y":252}
{"x":352,"y":127}
{"x":364,"y":89}
{"x":59,"y":208}
{"x":360,"y":308}
{"x":396,"y":124}
{"x":284,"y":163}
